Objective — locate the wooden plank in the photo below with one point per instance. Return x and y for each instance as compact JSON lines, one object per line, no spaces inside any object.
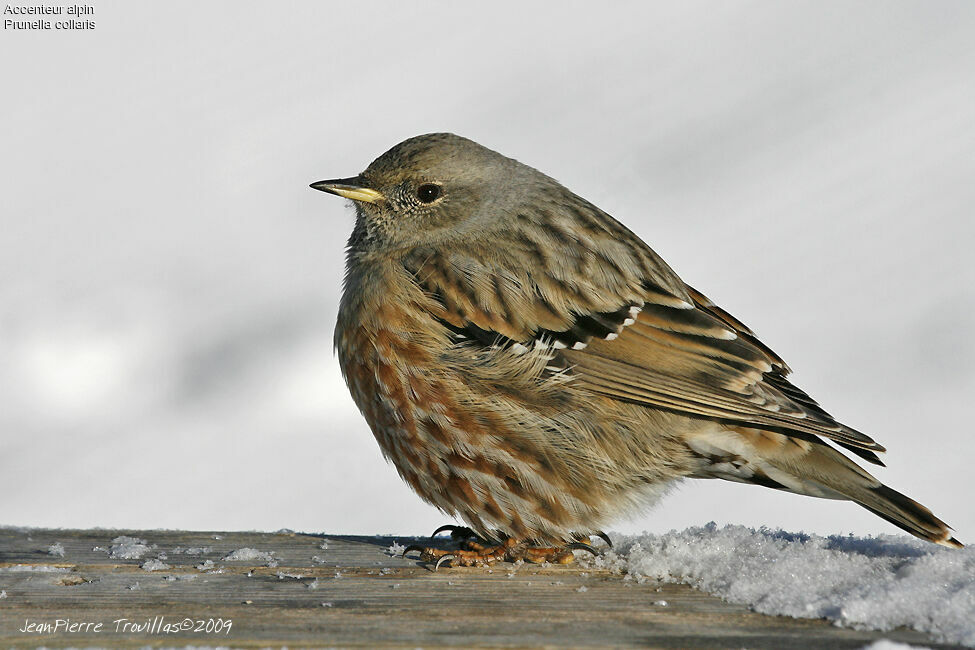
{"x":338,"y":590}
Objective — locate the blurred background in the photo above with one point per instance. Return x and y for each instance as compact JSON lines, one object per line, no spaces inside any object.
{"x":169,"y":283}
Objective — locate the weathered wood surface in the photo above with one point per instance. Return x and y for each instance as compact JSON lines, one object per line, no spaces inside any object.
{"x":355,"y":593}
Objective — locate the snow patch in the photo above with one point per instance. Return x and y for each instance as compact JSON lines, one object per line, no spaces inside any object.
{"x":866,"y":583}
{"x":127,"y":548}
{"x":252,"y":555}
{"x":193,"y":550}
{"x":395,"y":549}
{"x":154,"y":564}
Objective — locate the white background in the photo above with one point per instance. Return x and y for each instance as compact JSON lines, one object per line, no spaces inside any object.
{"x":169,"y":283}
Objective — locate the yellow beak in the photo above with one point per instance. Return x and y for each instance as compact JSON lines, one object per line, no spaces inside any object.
{"x":349,"y":188}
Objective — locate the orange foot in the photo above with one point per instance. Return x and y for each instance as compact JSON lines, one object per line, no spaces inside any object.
{"x":480,"y":553}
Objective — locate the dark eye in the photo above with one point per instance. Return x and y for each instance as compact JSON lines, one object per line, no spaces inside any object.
{"x":428,"y":192}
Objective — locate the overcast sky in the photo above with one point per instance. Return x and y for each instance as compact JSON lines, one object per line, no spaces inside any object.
{"x":169,"y":283}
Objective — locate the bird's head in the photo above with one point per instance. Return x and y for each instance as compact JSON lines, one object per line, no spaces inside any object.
{"x":432,"y":189}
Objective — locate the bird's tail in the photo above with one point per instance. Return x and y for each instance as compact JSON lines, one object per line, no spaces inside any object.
{"x":834,"y":471}
{"x":818,"y":470}
{"x":904,"y":512}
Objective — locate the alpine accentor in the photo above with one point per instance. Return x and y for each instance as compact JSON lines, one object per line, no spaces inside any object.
{"x":529,"y":364}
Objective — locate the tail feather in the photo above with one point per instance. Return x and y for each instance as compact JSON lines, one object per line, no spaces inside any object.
{"x":814,"y":469}
{"x":825,"y":467}
{"x":908,"y":514}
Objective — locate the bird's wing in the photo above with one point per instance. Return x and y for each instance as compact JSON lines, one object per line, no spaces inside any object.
{"x":625,"y":326}
{"x":701,"y":361}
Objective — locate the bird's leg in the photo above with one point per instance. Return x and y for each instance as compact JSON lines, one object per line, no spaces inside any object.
{"x":510,"y":550}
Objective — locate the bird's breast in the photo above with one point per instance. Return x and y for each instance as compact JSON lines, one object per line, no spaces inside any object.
{"x":459,"y":426}
{"x":390,"y":350}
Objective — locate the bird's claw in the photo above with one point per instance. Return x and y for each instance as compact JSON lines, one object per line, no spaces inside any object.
{"x":443,"y":558}
{"x":411,"y":547}
{"x":456,"y":532}
{"x":581,"y":546}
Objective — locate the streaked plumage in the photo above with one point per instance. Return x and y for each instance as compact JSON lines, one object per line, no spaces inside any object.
{"x":529,"y":364}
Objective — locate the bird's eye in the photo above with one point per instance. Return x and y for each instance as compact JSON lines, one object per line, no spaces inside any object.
{"x":428,"y":192}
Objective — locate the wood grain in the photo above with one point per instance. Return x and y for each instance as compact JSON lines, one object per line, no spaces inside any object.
{"x":355,"y":593}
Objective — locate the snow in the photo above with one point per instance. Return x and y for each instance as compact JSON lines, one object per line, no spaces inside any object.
{"x":193,"y":550}
{"x":395,"y":549}
{"x":154,"y":564}
{"x":38,"y":568}
{"x":128,"y":548}
{"x":283,"y":575}
{"x":252,"y":555}
{"x":875,"y":583}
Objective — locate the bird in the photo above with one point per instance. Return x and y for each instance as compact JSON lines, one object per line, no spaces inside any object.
{"x":531,"y":366}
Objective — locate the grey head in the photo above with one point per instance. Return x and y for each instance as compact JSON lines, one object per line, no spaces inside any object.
{"x":435,"y":188}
